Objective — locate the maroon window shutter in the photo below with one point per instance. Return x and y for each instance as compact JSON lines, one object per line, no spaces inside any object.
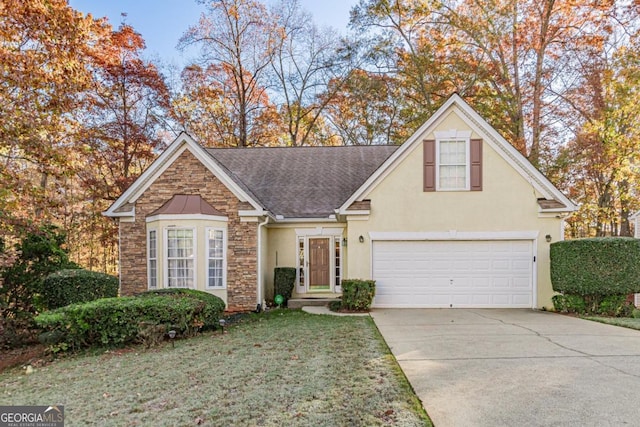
{"x":429,"y":146}
{"x":476,"y":165}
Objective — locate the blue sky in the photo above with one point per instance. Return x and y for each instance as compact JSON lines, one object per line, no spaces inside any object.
{"x":162,"y":22}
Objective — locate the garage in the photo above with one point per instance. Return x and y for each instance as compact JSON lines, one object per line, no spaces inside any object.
{"x":453,"y":273}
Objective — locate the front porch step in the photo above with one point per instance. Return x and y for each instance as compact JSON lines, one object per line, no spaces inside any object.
{"x":304,"y":302}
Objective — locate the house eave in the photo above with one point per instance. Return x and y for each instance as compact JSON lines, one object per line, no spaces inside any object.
{"x":279,"y":219}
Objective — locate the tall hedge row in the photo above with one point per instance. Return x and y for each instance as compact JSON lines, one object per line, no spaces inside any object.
{"x":66,"y":287}
{"x":120,"y":321}
{"x":599,"y":266}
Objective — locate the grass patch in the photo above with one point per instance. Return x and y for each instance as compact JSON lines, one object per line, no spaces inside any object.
{"x":626,"y":322}
{"x":283,"y":368}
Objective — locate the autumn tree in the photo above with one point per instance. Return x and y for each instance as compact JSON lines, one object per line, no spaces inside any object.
{"x":305,"y":60}
{"x":235,"y":44}
{"x":123,"y":115}
{"x":44,"y":48}
{"x":604,"y":168}
{"x":406,"y":41}
{"x":365,"y":109}
{"x":205,"y":108}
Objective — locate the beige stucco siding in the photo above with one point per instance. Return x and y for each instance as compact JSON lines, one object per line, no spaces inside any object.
{"x":507,"y":203}
{"x":283,"y":247}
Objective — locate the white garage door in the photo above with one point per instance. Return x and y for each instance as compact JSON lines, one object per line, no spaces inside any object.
{"x":497,"y":273}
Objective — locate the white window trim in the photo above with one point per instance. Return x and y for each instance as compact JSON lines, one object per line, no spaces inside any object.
{"x":166,"y":255}
{"x":337,"y":284}
{"x":224,"y":257}
{"x":467,"y":182}
{"x":301,"y":284}
{"x":149,"y":231}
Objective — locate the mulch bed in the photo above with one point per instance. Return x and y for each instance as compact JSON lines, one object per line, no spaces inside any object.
{"x":34,"y":355}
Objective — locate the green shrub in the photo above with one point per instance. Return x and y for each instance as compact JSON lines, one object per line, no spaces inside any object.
{"x":121,"y":321}
{"x":212,"y":311}
{"x":358,"y":294}
{"x":283,"y":282}
{"x":635,"y":313}
{"x":66,"y":287}
{"x":612,"y":305}
{"x":569,"y":304}
{"x":335,"y":305}
{"x":38,"y":254}
{"x":596,"y":267}
{"x":615,"y":305}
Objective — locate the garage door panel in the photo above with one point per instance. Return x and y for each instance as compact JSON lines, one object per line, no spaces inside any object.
{"x":453,"y":273}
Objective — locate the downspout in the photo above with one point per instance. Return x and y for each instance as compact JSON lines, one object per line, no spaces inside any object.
{"x":259,"y":306}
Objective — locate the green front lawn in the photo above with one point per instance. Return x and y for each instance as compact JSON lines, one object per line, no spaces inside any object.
{"x":281,"y":368}
{"x":627,"y":322}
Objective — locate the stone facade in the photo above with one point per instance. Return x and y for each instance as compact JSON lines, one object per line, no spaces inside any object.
{"x":187,"y":175}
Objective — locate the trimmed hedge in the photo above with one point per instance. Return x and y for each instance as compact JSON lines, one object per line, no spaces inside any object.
{"x":120,"y":321}
{"x":598,"y":267}
{"x":283,"y":282}
{"x":358,"y":294}
{"x":212,"y":311}
{"x":66,"y":287}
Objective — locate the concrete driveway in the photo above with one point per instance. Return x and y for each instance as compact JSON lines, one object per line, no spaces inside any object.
{"x":511,"y":367}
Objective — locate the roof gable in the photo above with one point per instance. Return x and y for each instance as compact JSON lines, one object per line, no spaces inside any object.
{"x":501,"y":146}
{"x":124,"y":206}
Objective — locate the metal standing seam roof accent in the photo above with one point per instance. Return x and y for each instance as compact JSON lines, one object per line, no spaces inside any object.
{"x":186,"y":204}
{"x":301,"y":182}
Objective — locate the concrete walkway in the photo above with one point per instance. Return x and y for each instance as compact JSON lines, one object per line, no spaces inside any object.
{"x":516,"y":367}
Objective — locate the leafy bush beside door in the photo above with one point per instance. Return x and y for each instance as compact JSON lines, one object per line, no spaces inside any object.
{"x":284,"y":280}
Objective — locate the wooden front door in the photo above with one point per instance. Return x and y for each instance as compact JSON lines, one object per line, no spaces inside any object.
{"x":319,"y":264}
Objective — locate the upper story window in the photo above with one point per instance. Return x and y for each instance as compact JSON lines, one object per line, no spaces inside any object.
{"x":452,"y":162}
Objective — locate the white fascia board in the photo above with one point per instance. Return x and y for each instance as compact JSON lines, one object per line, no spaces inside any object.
{"x":166,"y":159}
{"x":455,"y":235}
{"x":284,"y":220}
{"x":634,"y":215}
{"x":189,"y":217}
{"x":357,"y":212}
{"x":255,"y":212}
{"x":128,"y":214}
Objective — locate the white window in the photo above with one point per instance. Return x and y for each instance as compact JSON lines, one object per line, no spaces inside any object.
{"x":216,"y":258}
{"x":453,"y":162}
{"x":180,"y":258}
{"x":152,"y":267}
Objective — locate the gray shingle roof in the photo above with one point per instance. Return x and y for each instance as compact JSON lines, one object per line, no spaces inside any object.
{"x":301,"y":182}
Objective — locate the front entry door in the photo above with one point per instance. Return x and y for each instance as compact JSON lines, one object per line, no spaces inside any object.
{"x":319,"y":264}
